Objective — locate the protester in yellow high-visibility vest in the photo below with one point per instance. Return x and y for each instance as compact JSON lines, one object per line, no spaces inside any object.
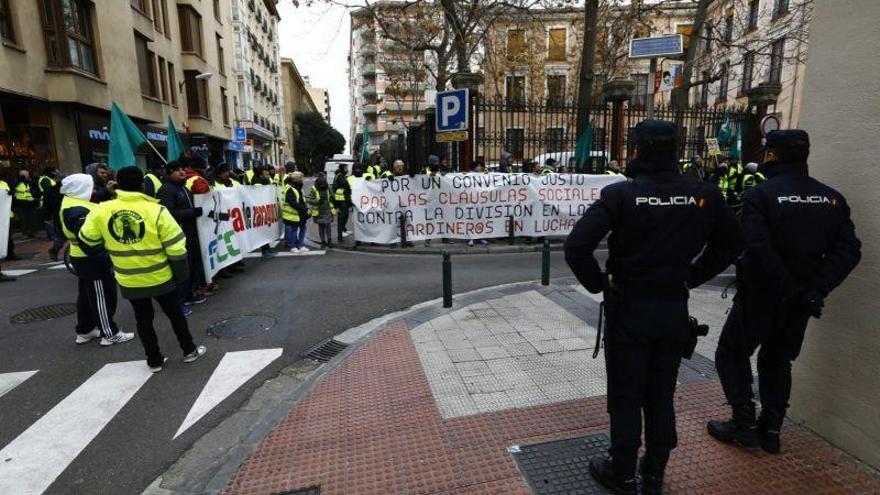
{"x":96,"y":301}
{"x":294,"y":213}
{"x":148,"y":252}
{"x":223,"y":177}
{"x":342,"y":200}
{"x":322,"y":210}
{"x":153,"y":180}
{"x":26,"y":204}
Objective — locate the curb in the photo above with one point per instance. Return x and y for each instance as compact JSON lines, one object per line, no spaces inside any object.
{"x":227,"y":445}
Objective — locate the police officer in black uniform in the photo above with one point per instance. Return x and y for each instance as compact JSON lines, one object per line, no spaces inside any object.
{"x":800,"y":245}
{"x":669,"y":232}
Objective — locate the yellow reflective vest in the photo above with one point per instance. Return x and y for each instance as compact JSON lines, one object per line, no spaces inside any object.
{"x":23,"y":192}
{"x":5,"y":187}
{"x":288,"y":212}
{"x":155,"y":180}
{"x":66,"y":203}
{"x":42,"y":189}
{"x":145,"y":243}
{"x":220,"y":185}
{"x":249,"y":177}
{"x":316,"y":202}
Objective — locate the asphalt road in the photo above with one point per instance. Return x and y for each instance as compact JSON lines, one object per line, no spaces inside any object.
{"x":310,"y":298}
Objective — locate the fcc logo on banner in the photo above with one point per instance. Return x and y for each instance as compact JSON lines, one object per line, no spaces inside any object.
{"x":452,"y":110}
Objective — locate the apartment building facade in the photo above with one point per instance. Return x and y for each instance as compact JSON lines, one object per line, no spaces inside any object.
{"x":391,"y":86}
{"x":259,"y":106}
{"x":321,"y":97}
{"x":65,"y":61}
{"x":298,"y":98}
{"x":747,"y":43}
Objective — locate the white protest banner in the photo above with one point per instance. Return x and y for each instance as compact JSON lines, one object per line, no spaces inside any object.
{"x":254,"y":220}
{"x":5,"y":224}
{"x":473,"y":206}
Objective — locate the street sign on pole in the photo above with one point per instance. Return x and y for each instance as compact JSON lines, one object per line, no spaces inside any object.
{"x":240,"y":134}
{"x":451,"y":137}
{"x":453,"y":109}
{"x":659,"y":46}
{"x":769,"y":123}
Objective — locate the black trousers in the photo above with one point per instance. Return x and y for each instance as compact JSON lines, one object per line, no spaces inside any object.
{"x":642,"y":359}
{"x":96,"y":306}
{"x":143,"y":313}
{"x":342,"y":208}
{"x":758,"y":320}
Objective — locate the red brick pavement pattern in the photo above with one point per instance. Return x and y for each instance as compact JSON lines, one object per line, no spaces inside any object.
{"x":371,"y":427}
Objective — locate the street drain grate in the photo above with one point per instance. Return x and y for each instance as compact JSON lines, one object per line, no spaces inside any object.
{"x":315,"y":490}
{"x":325,"y":351}
{"x":239,"y":327}
{"x":44,"y":313}
{"x":561,"y":466}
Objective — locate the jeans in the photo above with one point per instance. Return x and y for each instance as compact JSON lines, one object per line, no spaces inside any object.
{"x":295,"y":234}
{"x":325,"y":230}
{"x":143,"y":313}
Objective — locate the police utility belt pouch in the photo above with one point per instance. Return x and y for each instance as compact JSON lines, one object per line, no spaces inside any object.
{"x":696,"y":330}
{"x":608,"y":308}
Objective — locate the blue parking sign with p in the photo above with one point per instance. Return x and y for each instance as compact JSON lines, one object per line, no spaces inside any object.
{"x":240,"y":134}
{"x":453,"y":108}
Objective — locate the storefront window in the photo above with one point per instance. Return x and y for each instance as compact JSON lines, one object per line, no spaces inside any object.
{"x":25,"y":137}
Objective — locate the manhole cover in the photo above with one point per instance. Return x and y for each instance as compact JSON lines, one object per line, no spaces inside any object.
{"x":44,"y":313}
{"x":241,"y":326}
{"x":561,"y":467}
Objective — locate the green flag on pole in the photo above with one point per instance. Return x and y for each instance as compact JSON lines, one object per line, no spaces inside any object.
{"x":736,"y":148}
{"x":365,"y":153}
{"x":125,"y":139}
{"x":175,"y":145}
{"x":725,"y":132}
{"x":584,"y":148}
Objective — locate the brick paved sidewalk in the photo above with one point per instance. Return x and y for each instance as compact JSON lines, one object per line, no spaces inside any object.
{"x":436,"y":403}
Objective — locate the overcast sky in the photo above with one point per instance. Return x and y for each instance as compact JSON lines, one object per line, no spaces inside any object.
{"x":316,"y":38}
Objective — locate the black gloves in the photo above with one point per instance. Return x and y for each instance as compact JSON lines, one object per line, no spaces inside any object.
{"x":812,"y":303}
{"x":197,"y":212}
{"x":218,"y":216}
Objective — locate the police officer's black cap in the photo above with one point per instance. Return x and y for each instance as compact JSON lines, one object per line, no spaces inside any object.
{"x":792,"y":139}
{"x":655,"y":132}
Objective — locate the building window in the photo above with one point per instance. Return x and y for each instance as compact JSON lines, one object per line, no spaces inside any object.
{"x":164,"y":6}
{"x":163,"y":79}
{"x":196,"y":94}
{"x":781,"y":8}
{"x":217,"y":10}
{"x":776,"y":55}
{"x":723,"y":84}
{"x":710,"y":32}
{"x":748,"y":70}
{"x":556,"y":45}
{"x":555,"y":91}
{"x":172,"y":84}
{"x":67,"y":30}
{"x":514,"y":142}
{"x":640,"y":95}
{"x":158,"y":22}
{"x":142,"y":6}
{"x":221,"y":57}
{"x":704,"y":89}
{"x":516,"y":43}
{"x":555,"y":139}
{"x":754,"y":6}
{"x":190,"y":29}
{"x":515,"y":90}
{"x":6,"y":21}
{"x":728,"y":28}
{"x":146,"y":60}
{"x":224,"y":102}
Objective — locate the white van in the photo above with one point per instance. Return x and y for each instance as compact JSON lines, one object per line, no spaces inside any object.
{"x":332,"y":165}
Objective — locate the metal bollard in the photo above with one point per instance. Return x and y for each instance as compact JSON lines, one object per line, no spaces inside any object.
{"x":402,"y":230}
{"x":510,"y":227}
{"x":447,"y":280}
{"x":545,"y":263}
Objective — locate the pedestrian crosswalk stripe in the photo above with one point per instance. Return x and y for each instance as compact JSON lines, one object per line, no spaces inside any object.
{"x":17,"y":273}
{"x":32,"y":462}
{"x":234,"y":370}
{"x":9,"y":381}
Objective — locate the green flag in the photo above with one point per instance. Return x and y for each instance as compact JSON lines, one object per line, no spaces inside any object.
{"x":175,"y":145}
{"x":365,"y":153}
{"x":125,"y":139}
{"x":725,"y":132}
{"x":736,"y":148}
{"x":584,"y":147}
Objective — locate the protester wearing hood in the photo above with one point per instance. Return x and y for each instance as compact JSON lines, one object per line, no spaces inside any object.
{"x":660,"y":246}
{"x":179,"y":201}
{"x":433,"y":165}
{"x":96,"y":301}
{"x":105,"y":186}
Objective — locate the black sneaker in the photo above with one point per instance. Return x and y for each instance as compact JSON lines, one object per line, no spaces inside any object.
{"x":769,"y":440}
{"x":602,"y":470}
{"x":730,"y":432}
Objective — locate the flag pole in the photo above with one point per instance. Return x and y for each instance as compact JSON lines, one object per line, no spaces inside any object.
{"x":157,"y":152}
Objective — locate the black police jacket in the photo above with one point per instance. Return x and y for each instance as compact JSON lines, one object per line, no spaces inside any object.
{"x":669,"y":231}
{"x":179,"y":203}
{"x":799,"y":236}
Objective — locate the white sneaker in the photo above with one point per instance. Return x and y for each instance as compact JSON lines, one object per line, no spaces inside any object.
{"x":294,"y":250}
{"x":119,"y":338}
{"x":199,"y":352}
{"x":84,"y":338}
{"x":346,"y":233}
{"x":471,"y":243}
{"x":304,"y":250}
{"x":156,"y":369}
